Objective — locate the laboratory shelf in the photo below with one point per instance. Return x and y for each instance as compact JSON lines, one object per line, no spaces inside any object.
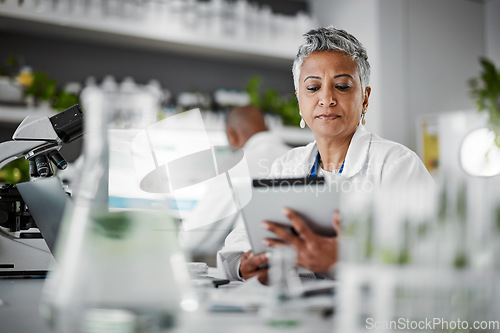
{"x":144,"y":34}
{"x":293,"y":136}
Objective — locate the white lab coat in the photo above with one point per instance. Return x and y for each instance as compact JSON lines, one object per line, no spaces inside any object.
{"x":371,"y":163}
{"x":261,"y":150}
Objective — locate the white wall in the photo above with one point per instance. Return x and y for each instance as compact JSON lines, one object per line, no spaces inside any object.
{"x":492,"y":30}
{"x":422,"y":53}
{"x":446,"y":40}
{"x":393,"y":87}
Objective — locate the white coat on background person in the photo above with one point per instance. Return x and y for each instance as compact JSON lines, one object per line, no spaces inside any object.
{"x":245,"y":129}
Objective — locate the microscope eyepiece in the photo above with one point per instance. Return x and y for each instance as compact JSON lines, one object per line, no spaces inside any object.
{"x":68,"y":124}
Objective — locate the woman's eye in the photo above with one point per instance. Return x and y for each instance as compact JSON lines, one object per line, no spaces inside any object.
{"x":342,"y":88}
{"x":312,"y":88}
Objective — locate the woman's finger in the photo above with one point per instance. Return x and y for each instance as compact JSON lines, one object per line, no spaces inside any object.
{"x":251,"y":264}
{"x":300,"y":227}
{"x":281,"y":233}
{"x":273,"y":242}
{"x":257,"y":260}
{"x":245,"y":255}
{"x":262,"y":276}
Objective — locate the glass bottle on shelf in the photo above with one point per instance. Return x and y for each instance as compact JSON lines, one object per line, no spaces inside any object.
{"x":119,"y":266}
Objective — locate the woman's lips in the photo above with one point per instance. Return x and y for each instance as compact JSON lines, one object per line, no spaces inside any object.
{"x":328,"y":116}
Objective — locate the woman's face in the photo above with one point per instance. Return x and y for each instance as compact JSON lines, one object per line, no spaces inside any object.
{"x":331,"y":97}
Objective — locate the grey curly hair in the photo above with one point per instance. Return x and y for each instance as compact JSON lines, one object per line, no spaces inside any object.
{"x":332,"y":39}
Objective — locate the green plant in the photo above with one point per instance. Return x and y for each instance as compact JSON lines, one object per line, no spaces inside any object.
{"x":63,"y":100}
{"x":15,"y":172}
{"x":38,"y":85}
{"x":41,"y":87}
{"x":486,"y":91}
{"x":460,"y":261}
{"x":271,"y":101}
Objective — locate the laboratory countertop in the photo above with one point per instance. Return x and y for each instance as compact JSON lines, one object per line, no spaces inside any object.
{"x":19,"y":310}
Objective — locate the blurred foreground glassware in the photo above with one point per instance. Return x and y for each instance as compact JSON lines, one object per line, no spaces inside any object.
{"x":118,"y":270}
{"x":282,"y":308}
{"x":428,"y":262}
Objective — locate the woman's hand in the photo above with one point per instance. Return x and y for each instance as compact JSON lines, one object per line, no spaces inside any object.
{"x":250,"y":266}
{"x":316,"y":253}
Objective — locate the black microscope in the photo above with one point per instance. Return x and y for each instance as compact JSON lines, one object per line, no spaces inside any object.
{"x":39,"y":140}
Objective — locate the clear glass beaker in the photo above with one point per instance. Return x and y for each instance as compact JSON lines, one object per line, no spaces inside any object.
{"x":119,"y":265}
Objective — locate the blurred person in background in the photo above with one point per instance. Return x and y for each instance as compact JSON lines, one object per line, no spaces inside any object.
{"x":331,"y":76}
{"x":245,"y":129}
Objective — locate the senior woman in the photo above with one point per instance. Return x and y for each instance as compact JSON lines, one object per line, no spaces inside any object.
{"x":331,"y":75}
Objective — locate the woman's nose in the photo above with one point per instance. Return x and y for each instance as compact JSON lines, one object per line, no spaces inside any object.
{"x":327,"y":98}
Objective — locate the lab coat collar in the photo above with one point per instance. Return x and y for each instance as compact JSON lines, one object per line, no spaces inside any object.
{"x":357,"y":153}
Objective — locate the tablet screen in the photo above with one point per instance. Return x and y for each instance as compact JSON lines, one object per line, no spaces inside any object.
{"x":312,"y":198}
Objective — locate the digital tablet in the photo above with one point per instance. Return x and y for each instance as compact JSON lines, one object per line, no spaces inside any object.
{"x":312,"y":198}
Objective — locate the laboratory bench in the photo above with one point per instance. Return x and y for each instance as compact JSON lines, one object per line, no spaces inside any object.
{"x":20,"y":297}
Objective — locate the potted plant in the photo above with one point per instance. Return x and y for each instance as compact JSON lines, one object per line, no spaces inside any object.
{"x":287,"y":107}
{"x":38,"y":88}
{"x":486,"y":92}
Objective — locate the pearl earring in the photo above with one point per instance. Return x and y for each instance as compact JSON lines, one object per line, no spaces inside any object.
{"x":363,"y":114}
{"x":302,"y":123}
